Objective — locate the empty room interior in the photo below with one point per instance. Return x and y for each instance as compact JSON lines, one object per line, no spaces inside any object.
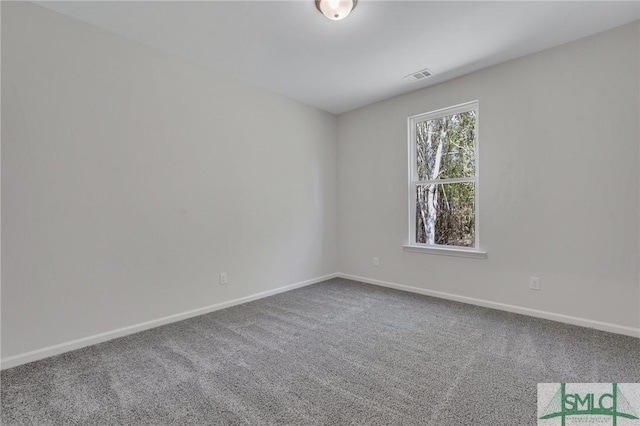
{"x":329,"y":212}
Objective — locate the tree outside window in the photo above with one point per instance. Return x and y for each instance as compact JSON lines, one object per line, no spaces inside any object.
{"x":444,"y":177}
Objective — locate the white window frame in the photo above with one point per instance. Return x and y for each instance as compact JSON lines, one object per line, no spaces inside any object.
{"x":412,"y":245}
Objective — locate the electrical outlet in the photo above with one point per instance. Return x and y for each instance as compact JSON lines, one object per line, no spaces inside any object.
{"x":376,"y":261}
{"x":224,"y":278}
{"x":534,"y":283}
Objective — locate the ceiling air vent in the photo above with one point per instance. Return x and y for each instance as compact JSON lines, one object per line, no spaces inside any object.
{"x":419,"y":75}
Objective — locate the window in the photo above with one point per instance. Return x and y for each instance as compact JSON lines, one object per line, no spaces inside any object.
{"x":443,"y":181}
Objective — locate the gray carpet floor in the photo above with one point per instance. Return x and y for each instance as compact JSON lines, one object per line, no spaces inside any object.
{"x":334,"y":353}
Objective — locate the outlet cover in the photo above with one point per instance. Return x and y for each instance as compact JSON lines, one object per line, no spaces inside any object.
{"x":534,"y":283}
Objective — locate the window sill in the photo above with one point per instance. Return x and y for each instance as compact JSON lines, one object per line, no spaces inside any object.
{"x":447,"y":251}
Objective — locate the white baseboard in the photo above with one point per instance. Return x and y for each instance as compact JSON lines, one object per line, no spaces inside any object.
{"x":583,"y":322}
{"x":38,"y":354}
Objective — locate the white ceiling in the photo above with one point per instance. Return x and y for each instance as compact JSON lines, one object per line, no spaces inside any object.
{"x":290,"y":48}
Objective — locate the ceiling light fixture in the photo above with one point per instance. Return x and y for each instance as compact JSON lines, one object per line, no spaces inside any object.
{"x":336,"y":9}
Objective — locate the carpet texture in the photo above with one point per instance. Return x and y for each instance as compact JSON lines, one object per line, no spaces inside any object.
{"x":334,"y":353}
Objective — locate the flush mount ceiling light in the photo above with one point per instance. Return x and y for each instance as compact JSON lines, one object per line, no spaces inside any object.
{"x":336,"y":9}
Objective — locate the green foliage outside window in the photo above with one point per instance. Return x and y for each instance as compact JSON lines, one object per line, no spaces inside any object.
{"x":445,"y":211}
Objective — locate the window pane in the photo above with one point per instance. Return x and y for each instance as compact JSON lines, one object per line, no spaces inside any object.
{"x":446,"y":147}
{"x":445,"y":214}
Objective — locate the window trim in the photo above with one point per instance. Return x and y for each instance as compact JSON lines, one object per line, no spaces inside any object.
{"x":413,"y":181}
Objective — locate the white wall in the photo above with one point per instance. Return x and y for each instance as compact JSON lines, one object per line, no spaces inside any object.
{"x":559,"y":144}
{"x":131,"y":179}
